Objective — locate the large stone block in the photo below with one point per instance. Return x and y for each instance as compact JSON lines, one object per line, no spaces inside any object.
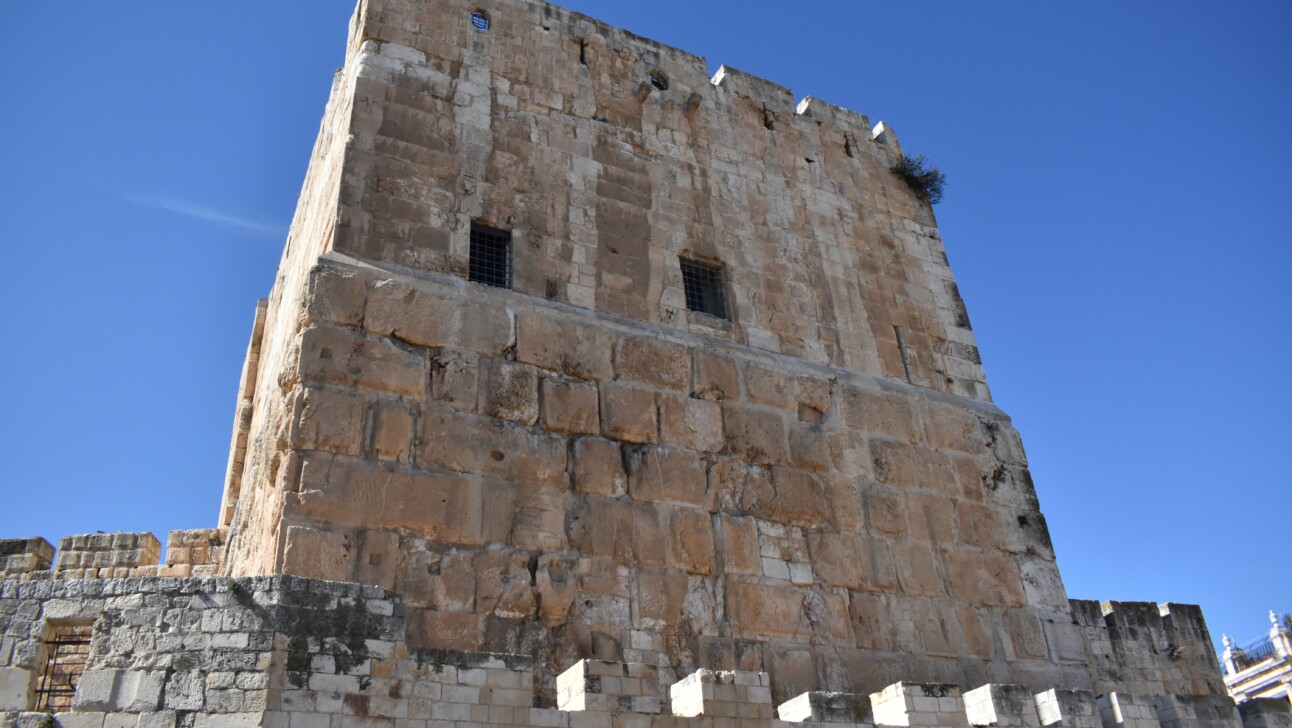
{"x":406,"y":312}
{"x":757,"y":436}
{"x":571,"y":407}
{"x":330,"y":421}
{"x":691,"y":540}
{"x":573,"y":349}
{"x":692,"y":423}
{"x":15,"y":688}
{"x":1002,"y":705}
{"x":657,"y":474}
{"x":653,"y":362}
{"x":336,"y":296}
{"x":509,"y":391}
{"x":628,"y":414}
{"x":337,"y":356}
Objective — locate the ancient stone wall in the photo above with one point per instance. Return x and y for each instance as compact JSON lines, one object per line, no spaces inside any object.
{"x":287,"y":652}
{"x":816,"y":486}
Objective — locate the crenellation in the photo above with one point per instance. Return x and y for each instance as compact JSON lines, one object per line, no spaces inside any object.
{"x":23,"y":556}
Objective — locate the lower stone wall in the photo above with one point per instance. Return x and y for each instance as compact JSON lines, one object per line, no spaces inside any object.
{"x":289,"y":652}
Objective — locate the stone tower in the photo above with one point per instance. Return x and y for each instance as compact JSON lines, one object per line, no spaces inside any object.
{"x":581,"y":357}
{"x":582,"y":352}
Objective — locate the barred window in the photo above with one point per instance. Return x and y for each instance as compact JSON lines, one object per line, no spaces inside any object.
{"x":490,"y":256}
{"x":67,"y":649}
{"x":703,"y":285}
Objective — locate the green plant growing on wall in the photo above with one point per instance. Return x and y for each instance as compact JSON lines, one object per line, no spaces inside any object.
{"x":927,"y":181}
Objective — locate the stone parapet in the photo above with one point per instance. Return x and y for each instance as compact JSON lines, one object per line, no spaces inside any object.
{"x":281,"y":652}
{"x":107,"y":555}
{"x":19,"y":556}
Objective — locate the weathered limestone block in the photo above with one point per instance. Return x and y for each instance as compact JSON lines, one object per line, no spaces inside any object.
{"x":336,"y":295}
{"x":600,"y":686}
{"x":455,"y":378}
{"x":392,"y":430}
{"x":599,"y":467}
{"x":916,"y":704}
{"x":571,"y":407}
{"x":106,"y":554}
{"x":573,"y":349}
{"x":870,"y":411}
{"x":691,"y":541}
{"x":1067,"y":708}
{"x":24,"y":555}
{"x":738,"y":695}
{"x":196,"y":547}
{"x":757,"y":436}
{"x":15,"y":687}
{"x":1123,"y":710}
{"x":422,"y":318}
{"x":716,"y":378}
{"x":822,"y":707}
{"x":119,"y":690}
{"x":1002,"y":705}
{"x":628,"y":414}
{"x":338,"y":356}
{"x":509,"y":391}
{"x":658,"y":474}
{"x":331,"y":421}
{"x":653,"y":362}
{"x":690,"y":422}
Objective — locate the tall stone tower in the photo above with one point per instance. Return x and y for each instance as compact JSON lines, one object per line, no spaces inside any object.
{"x":583,"y":363}
{"x":582,"y":352}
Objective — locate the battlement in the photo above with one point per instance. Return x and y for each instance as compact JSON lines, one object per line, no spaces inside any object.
{"x":195,"y":552}
{"x":278,"y":651}
{"x":1146,"y":648}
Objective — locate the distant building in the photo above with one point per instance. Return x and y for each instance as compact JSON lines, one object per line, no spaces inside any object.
{"x":1261,"y":668}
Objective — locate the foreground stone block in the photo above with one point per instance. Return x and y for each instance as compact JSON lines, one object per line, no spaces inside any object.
{"x":1123,"y":710}
{"x":919,"y":704}
{"x":741,"y":695}
{"x":614,"y":687}
{"x":846,"y":708}
{"x":15,"y":682}
{"x":1002,"y":705}
{"x":1067,"y":708}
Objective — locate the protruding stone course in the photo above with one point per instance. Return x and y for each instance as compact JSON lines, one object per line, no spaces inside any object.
{"x":19,"y":556}
{"x":738,"y":695}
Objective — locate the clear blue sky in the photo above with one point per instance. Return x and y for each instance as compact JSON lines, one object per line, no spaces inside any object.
{"x":1117,"y":215}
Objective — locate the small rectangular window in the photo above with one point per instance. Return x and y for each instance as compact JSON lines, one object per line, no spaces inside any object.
{"x":703,"y":285}
{"x":490,"y":256}
{"x":67,"y":649}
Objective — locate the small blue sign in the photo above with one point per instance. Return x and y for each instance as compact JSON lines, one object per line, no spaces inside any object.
{"x":480,"y":21}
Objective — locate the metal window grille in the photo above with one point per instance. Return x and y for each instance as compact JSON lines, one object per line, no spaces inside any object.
{"x":66,"y":652}
{"x":703,"y":285}
{"x":480,"y":21}
{"x":490,"y":256}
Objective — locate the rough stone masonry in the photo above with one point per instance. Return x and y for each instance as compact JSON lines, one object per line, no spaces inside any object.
{"x":597,"y":391}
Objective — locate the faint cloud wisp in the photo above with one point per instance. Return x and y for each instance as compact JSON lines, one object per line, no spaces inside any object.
{"x":202,"y":212}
